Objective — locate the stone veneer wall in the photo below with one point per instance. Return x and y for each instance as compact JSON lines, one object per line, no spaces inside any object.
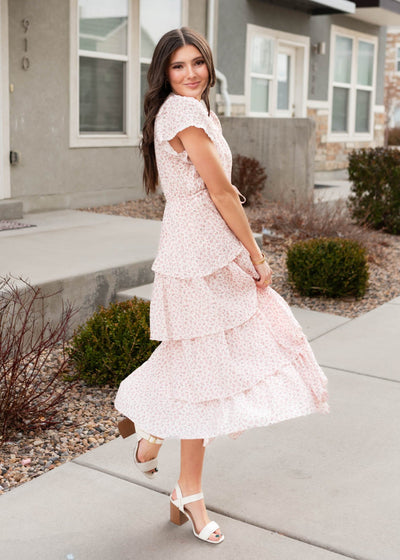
{"x":392,"y":77}
{"x":331,"y":156}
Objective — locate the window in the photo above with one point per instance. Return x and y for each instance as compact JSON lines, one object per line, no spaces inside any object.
{"x":103,"y":58}
{"x":352,"y":84}
{"x":104,"y":100}
{"x":277,"y":73}
{"x":112,"y":42}
{"x":262,"y":64}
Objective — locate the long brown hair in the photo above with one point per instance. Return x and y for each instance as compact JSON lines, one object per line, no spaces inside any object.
{"x":159,"y":89}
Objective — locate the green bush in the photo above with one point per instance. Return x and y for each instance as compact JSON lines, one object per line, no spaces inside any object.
{"x":112,"y":343}
{"x":375,"y":193}
{"x":328,"y":267}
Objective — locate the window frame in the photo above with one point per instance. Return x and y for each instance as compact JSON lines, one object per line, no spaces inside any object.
{"x":281,"y":38}
{"x":351,"y":135}
{"x":132,"y":87}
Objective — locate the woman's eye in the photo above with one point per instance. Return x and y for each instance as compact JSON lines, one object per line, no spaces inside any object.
{"x":199,"y":62}
{"x":177,"y":67}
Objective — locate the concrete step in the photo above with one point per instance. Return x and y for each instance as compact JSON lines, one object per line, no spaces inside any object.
{"x":142,"y":292}
{"x":10,"y":209}
{"x":327,"y":191}
{"x":81,"y":257}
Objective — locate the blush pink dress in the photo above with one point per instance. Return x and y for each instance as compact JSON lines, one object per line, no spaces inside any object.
{"x":232,"y":355}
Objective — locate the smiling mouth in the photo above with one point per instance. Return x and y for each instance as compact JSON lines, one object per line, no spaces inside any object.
{"x":193,"y":84}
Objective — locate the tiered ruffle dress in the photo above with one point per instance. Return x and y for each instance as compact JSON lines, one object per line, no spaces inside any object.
{"x":232,"y":355}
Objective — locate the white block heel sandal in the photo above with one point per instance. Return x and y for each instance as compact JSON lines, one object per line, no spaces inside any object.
{"x":179,"y":515}
{"x":126,"y":428}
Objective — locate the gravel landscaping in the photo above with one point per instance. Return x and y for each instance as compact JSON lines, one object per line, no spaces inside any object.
{"x":87,"y":418}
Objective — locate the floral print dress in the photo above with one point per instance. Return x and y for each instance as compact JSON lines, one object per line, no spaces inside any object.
{"x":232,"y":355}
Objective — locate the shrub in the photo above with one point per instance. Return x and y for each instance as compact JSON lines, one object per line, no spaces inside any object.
{"x":394,"y":136}
{"x":375,"y":192}
{"x":29,"y":397}
{"x":249,"y":177}
{"x":112,"y":343}
{"x":328,"y":267}
{"x":309,"y":219}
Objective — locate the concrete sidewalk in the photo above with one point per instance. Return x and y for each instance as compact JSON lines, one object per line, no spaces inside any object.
{"x":319,"y":487}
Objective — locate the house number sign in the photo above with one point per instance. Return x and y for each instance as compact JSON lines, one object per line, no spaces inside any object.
{"x":25,"y":59}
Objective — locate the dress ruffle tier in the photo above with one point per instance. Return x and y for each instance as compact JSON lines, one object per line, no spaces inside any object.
{"x":223,"y":366}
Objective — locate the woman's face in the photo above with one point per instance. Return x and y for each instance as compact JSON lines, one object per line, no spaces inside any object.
{"x":187,"y":72}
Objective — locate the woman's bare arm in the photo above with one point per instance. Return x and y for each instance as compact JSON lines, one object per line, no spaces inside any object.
{"x":205,"y":158}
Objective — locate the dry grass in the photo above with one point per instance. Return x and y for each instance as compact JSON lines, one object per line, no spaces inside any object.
{"x":325,"y":219}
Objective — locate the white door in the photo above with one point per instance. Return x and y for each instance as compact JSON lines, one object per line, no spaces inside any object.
{"x":4,"y":104}
{"x":285,"y":72}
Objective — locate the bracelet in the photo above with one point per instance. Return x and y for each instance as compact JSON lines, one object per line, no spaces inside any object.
{"x":263,"y":259}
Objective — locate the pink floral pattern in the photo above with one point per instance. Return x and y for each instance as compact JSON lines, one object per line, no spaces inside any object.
{"x":232,"y":355}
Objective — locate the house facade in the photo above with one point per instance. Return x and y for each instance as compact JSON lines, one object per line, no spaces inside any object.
{"x":72,"y":81}
{"x":322,"y":60}
{"x":73,"y":77}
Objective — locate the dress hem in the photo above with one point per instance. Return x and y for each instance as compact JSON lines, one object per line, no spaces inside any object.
{"x":322,"y":408}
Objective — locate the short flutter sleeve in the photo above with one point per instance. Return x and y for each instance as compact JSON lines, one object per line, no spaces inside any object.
{"x":179,"y":112}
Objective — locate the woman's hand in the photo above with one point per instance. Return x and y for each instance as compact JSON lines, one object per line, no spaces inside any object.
{"x":265,"y":273}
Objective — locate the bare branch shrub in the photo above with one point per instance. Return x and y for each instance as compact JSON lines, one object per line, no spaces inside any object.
{"x":28,"y":395}
{"x":394,"y":136}
{"x":249,"y":177}
{"x":305,"y":220}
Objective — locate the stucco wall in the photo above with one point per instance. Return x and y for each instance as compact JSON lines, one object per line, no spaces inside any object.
{"x":392,"y":77}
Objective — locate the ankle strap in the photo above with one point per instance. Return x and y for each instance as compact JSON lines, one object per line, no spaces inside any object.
{"x":187,"y":499}
{"x":192,"y":498}
{"x":149,"y":437}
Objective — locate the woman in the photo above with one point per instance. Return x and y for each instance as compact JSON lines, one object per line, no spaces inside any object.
{"x":232,"y":355}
